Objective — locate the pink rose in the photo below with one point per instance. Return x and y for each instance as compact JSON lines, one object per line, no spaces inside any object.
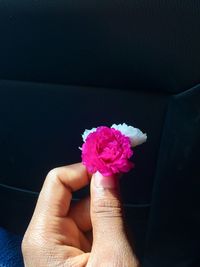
{"x":108,"y":151}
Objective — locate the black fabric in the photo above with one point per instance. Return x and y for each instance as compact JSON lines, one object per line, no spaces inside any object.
{"x":148,"y":45}
{"x":173,"y":233}
{"x":17,"y":206}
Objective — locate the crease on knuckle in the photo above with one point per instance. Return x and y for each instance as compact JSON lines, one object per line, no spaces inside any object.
{"x":54,"y":176}
{"x":103,"y":207}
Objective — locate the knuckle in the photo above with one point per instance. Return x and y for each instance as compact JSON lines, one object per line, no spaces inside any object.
{"x":104,"y":207}
{"x":24,"y":246}
{"x":37,"y":252}
{"x":52,"y":173}
{"x":27,"y":245}
{"x":33,"y":241}
{"x":53,"y":176}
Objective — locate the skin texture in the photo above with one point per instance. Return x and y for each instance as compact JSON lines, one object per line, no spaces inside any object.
{"x":89,"y":233}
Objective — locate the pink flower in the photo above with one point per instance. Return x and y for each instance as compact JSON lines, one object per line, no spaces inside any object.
{"x":108,"y":151}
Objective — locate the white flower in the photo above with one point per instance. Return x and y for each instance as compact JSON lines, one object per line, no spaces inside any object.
{"x":136,"y":136}
{"x":87,"y":132}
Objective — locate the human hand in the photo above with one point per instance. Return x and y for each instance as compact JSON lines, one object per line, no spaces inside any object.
{"x":59,"y":233}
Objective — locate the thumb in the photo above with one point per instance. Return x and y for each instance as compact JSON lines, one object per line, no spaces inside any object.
{"x":106,"y":208}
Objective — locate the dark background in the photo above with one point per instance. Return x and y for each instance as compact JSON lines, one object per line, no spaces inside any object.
{"x":70,"y":65}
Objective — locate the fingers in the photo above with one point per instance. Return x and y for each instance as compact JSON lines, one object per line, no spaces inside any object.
{"x":80,"y":213}
{"x":79,"y":260}
{"x":106,"y":209}
{"x":56,"y":193}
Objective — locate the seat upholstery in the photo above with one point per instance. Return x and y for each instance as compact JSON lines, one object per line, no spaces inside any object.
{"x":145,"y":45}
{"x":174,"y":233}
{"x":68,"y":65}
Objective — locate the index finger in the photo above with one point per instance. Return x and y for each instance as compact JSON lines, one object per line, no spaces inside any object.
{"x":56,"y":193}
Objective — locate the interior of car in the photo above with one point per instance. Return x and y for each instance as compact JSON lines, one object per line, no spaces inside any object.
{"x":67,"y":66}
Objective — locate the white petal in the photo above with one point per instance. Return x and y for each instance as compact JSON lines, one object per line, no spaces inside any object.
{"x":87,"y":132}
{"x":136,"y":136}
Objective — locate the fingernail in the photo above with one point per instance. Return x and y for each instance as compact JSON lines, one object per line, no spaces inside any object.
{"x":106,"y":182}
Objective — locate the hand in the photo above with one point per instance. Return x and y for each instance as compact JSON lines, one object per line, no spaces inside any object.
{"x":60,"y":233}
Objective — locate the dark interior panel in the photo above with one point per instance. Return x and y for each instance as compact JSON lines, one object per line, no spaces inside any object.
{"x":135,"y":45}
